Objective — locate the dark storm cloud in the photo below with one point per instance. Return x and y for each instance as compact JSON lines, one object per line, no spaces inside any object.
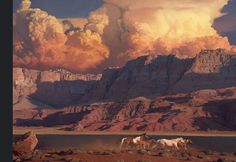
{"x":226,"y":25}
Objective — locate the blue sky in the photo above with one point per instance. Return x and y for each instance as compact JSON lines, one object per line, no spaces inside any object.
{"x":80,"y":8}
{"x":64,"y":8}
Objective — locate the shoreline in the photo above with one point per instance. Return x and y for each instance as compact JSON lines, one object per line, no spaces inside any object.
{"x":43,"y":131}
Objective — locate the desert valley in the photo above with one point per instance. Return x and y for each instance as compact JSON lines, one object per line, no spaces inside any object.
{"x":154,"y":94}
{"x":124,"y":81}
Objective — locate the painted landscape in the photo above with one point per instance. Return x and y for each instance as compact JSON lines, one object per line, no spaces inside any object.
{"x":124,"y":81}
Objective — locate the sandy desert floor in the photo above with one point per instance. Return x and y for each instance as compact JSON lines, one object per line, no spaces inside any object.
{"x":74,"y":155}
{"x":103,"y":154}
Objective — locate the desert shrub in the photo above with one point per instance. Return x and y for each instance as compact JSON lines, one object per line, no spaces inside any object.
{"x":120,"y":161}
{"x":144,"y":161}
{"x":75,"y":160}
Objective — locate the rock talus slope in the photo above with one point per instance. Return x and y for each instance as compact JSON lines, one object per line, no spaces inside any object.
{"x":198,"y":111}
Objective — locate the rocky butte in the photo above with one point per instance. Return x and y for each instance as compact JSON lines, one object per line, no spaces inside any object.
{"x":149,"y":93}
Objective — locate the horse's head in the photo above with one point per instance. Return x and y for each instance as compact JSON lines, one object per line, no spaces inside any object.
{"x":189,"y":141}
{"x":180,"y":139}
{"x":125,"y":142}
{"x":144,"y":136}
{"x":153,"y":143}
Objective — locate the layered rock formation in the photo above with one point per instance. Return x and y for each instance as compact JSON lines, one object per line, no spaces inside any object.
{"x":149,"y":93}
{"x":148,"y":76}
{"x":152,"y":76}
{"x":55,"y":87}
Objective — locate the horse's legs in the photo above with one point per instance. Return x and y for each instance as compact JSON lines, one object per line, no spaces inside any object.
{"x":177,"y":147}
{"x":185,"y":147}
{"x":121,"y":146}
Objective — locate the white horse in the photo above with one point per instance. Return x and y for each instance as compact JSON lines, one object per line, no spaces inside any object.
{"x":137,"y":140}
{"x":142,"y":141}
{"x":183,"y":144}
{"x":128,"y":142}
{"x":173,"y":143}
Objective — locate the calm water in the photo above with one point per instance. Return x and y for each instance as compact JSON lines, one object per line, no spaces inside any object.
{"x":90,"y":142}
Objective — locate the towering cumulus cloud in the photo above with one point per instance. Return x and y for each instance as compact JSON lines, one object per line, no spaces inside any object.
{"x":40,"y":41}
{"x":181,"y":27}
{"x":117,"y":31}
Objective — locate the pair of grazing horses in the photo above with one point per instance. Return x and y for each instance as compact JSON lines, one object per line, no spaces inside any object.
{"x":145,"y":142}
